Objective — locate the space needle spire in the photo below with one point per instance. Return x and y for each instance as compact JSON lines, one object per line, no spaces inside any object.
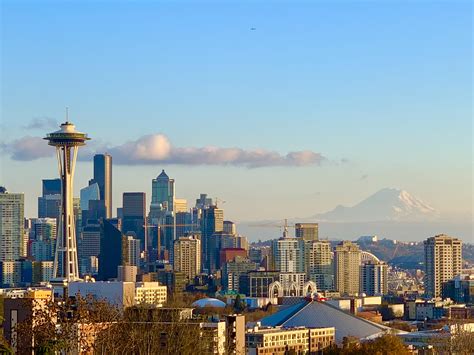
{"x":67,"y":141}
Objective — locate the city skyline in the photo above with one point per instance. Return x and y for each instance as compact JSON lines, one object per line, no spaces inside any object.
{"x":401,"y":98}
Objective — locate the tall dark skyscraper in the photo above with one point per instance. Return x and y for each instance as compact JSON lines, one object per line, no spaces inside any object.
{"x":113,"y":250}
{"x":103,"y":177}
{"x":51,"y":187}
{"x":134,"y":212}
{"x":212,"y":221}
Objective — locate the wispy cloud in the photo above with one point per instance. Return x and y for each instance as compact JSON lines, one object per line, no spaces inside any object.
{"x":42,"y":123}
{"x":364,"y":177}
{"x":27,"y":148}
{"x":156,"y":148}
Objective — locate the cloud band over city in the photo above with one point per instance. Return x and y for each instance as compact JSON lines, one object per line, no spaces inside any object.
{"x":157,"y":148}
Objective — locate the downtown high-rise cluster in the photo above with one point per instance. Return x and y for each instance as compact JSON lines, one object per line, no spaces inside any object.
{"x":147,"y":252}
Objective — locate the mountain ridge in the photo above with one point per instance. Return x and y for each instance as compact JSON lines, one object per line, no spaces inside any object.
{"x":388,"y":204}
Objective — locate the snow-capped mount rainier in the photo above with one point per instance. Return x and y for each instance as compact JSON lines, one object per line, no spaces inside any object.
{"x":385,"y":205}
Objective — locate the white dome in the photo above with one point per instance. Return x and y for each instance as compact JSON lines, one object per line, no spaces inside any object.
{"x":208,"y":302}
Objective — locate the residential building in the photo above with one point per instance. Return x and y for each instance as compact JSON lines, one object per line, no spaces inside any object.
{"x":10,"y":273}
{"x":133,"y":251}
{"x":11,"y":225}
{"x":373,"y":278}
{"x":288,"y":255}
{"x":187,"y":256}
{"x":319,"y":263}
{"x":443,"y":262}
{"x":21,"y":308}
{"x":347,"y":260}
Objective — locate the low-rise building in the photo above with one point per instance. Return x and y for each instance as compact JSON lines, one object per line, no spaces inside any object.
{"x":460,"y":289}
{"x":150,"y":293}
{"x":121,"y":294}
{"x":20,"y":307}
{"x":280,"y":340}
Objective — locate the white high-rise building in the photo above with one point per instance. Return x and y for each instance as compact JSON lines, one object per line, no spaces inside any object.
{"x":11,"y":225}
{"x":288,"y":255}
{"x":319,"y":263}
{"x":347,"y":261}
{"x":443,"y":262}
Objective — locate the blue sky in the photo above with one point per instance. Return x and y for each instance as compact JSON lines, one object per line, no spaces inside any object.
{"x":382,"y":90}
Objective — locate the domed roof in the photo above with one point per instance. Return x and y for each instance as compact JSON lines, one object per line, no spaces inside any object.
{"x":208,"y":302}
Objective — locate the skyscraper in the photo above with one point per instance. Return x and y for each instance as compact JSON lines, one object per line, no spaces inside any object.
{"x":307,"y":231}
{"x":212,"y":221}
{"x":89,"y":249}
{"x":11,"y":225}
{"x":113,"y":250}
{"x":443,"y":262}
{"x":103,"y":177}
{"x":162,"y":193}
{"x":67,"y":142}
{"x":89,"y":193}
{"x":49,"y":204}
{"x":134,"y":212}
{"x":347,"y":261}
{"x":373,"y":278}
{"x":187,"y":256}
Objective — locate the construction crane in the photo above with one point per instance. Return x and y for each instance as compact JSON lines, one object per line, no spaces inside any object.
{"x":159,"y":226}
{"x":217,"y":199}
{"x":272,"y":225}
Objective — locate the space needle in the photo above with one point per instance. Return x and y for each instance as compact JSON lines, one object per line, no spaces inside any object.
{"x":67,"y":142}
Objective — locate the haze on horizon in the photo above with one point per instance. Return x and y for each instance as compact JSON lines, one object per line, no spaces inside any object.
{"x":323,"y":104}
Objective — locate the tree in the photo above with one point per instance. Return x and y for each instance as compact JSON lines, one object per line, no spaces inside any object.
{"x":239,"y":305}
{"x":384,"y":345}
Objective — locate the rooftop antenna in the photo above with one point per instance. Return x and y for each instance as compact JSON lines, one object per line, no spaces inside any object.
{"x":67,"y":114}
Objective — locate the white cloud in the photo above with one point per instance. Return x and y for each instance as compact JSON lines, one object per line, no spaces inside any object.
{"x":156,"y":148}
